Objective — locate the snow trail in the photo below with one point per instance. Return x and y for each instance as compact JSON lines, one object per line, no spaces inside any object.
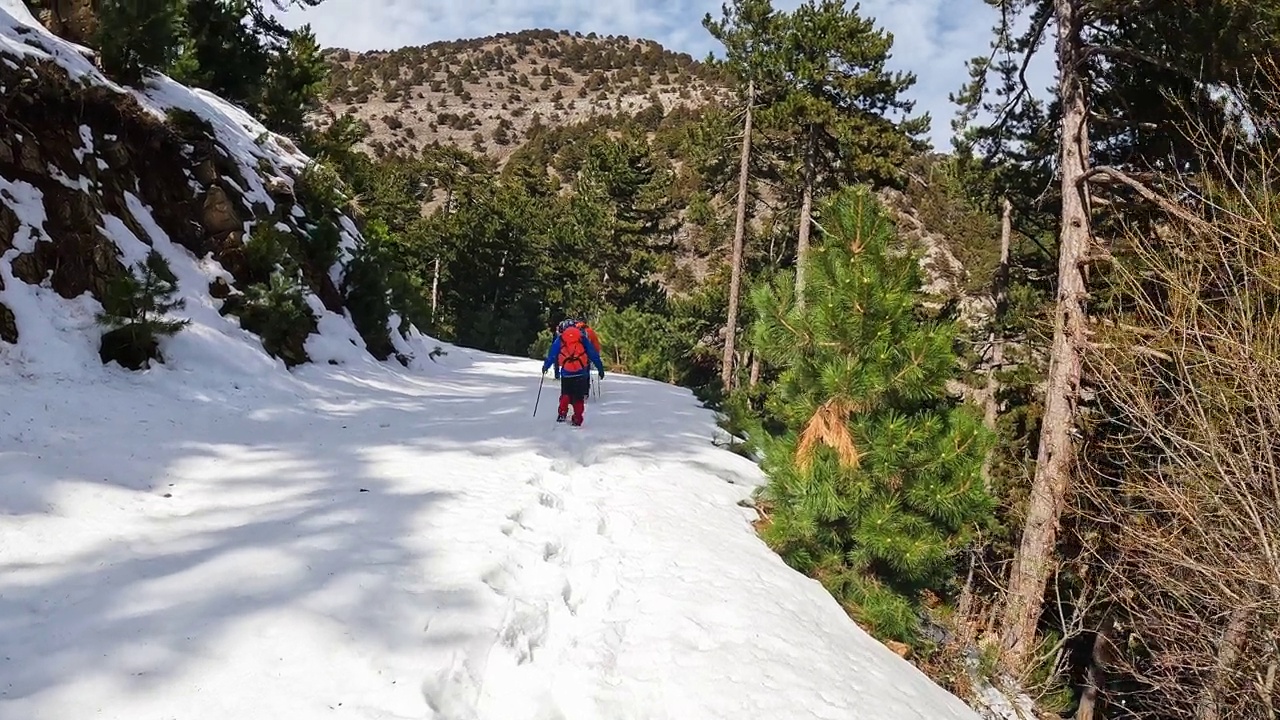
{"x":366,"y":542}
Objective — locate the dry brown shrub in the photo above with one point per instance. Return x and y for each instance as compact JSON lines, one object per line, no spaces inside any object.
{"x":1182,"y":473}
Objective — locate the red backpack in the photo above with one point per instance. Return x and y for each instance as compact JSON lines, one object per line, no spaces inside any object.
{"x":573,"y":354}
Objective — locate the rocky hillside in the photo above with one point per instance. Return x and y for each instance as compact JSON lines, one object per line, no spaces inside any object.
{"x":487,"y":93}
{"x":152,"y":210}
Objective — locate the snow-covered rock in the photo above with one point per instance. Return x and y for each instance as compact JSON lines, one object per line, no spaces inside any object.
{"x":94,"y":175}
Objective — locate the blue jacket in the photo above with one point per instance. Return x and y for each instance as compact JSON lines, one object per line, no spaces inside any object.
{"x":592,"y":355}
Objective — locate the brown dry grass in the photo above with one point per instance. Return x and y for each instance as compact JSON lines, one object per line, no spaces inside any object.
{"x":829,"y":426}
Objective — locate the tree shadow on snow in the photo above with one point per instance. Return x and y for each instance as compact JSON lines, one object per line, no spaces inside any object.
{"x":299,"y":521}
{"x":327,"y":507}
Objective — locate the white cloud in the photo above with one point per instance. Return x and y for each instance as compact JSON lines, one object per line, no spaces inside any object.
{"x":932,"y":38}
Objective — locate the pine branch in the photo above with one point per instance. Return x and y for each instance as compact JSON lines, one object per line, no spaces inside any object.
{"x":1114,"y":51}
{"x":1025,"y":87}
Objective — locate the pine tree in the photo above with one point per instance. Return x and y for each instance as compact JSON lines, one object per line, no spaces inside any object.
{"x":748,"y":31}
{"x":292,"y":87}
{"x":277,"y":312}
{"x":876,"y":481}
{"x":222,"y":53}
{"x":624,"y":176}
{"x":836,"y":105}
{"x":138,"y":36}
{"x":238,"y":50}
{"x":134,"y":307}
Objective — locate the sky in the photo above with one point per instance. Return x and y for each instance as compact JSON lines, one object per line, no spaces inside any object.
{"x":932,"y":38}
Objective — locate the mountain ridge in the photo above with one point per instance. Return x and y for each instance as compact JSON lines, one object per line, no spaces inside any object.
{"x":489,"y":94}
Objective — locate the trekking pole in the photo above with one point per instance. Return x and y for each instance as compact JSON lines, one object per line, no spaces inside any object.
{"x":539,"y":397}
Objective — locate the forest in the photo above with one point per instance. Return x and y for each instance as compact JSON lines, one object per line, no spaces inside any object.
{"x":1055,"y":472}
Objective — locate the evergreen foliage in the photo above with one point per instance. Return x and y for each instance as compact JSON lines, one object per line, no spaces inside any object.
{"x":277,"y":312}
{"x":222,"y":53}
{"x":234,"y":48}
{"x":135,"y":37}
{"x":294,"y":83}
{"x":375,"y":286}
{"x":134,"y":308}
{"x":876,"y":481}
{"x":836,"y":99}
{"x":750,"y":31}
{"x":875,"y":478}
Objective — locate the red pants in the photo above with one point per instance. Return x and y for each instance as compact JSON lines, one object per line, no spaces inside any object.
{"x":573,"y":391}
{"x":565,"y":401}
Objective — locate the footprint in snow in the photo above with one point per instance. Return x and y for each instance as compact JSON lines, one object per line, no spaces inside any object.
{"x":563,"y":466}
{"x":551,"y":550}
{"x":548,"y":499}
{"x":454,"y":692}
{"x":525,"y":629}
{"x":500,"y":580}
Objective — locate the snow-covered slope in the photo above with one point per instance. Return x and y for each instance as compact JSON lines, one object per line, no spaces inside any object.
{"x":245,"y":160}
{"x":374,"y":542}
{"x":219,"y":537}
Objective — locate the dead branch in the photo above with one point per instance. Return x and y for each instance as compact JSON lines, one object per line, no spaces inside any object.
{"x":1147,"y":193}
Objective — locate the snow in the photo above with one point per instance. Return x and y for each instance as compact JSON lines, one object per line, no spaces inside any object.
{"x":27,"y":203}
{"x":221,"y":537}
{"x":22,"y":35}
{"x":86,"y":136}
{"x":372,"y":542}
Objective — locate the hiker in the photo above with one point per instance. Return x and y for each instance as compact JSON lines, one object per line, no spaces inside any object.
{"x":582,"y":325}
{"x":573,"y":353}
{"x":591,"y":335}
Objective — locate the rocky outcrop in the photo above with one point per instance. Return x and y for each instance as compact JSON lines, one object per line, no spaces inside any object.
{"x":945,"y":275}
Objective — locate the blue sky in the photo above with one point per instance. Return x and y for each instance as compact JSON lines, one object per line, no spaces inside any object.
{"x":932,"y":38}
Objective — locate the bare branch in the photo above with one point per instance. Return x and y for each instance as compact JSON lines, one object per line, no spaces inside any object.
{"x":1147,"y":193}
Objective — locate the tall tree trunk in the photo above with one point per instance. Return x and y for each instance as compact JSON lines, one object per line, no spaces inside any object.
{"x":755,"y":370}
{"x":1035,"y":558}
{"x":739,"y":232}
{"x":995,"y":338}
{"x":497,"y":286}
{"x":435,"y":275}
{"x":435,"y":288}
{"x":806,"y":218}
